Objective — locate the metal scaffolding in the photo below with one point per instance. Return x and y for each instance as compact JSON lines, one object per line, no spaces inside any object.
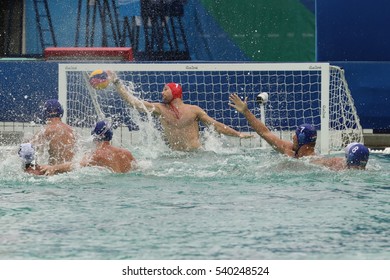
{"x":157,"y":33}
{"x":44,"y":24}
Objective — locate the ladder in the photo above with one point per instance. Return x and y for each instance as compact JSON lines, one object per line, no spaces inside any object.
{"x":131,"y":31}
{"x":164,"y":33}
{"x":99,"y":15}
{"x":44,"y":24}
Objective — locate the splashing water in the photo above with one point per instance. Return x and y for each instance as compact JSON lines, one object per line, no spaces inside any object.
{"x":224,"y":201}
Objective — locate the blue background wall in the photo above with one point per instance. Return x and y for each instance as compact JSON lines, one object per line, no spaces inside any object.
{"x":24,"y":87}
{"x":355,"y":34}
{"x":353,"y":30}
{"x":370,"y":86}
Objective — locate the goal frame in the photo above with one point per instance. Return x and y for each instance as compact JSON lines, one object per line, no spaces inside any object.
{"x":323,"y":67}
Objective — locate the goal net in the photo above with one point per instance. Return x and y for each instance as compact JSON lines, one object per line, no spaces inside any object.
{"x":314,"y":93}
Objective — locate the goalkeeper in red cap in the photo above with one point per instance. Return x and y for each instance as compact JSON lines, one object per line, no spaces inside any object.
{"x":179,"y":121}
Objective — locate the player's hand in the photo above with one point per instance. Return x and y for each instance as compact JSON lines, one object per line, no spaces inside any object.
{"x":237,"y":103}
{"x":246,"y":135}
{"x":111,"y":75}
{"x":48,"y":170}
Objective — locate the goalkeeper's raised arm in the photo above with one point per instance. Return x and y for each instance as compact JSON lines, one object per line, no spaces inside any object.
{"x":127,"y":95}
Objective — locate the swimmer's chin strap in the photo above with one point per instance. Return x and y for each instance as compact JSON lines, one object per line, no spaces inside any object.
{"x":297,"y":150}
{"x":175,"y":110}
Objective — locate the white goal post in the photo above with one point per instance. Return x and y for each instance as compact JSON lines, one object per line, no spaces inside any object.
{"x":315,"y":93}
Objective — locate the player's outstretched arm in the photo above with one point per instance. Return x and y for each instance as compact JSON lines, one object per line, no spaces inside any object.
{"x":129,"y":98}
{"x":218,"y":126}
{"x":65,"y":167}
{"x":333,"y":163}
{"x":242,"y":107}
{"x":56,"y":169}
{"x":282,"y":146}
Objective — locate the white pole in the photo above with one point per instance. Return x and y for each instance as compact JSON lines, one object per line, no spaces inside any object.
{"x":262,"y":98}
{"x":262,"y":118}
{"x":62,"y":90}
{"x":324,"y":136}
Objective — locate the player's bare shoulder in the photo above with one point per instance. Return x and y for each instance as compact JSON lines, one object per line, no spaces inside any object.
{"x":199,"y":113}
{"x":157,"y":108}
{"x":194,"y":109}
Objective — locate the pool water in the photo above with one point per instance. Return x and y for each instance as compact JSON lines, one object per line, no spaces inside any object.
{"x":220,"y":203}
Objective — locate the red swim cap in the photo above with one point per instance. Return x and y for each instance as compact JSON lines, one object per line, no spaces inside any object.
{"x":176,"y":89}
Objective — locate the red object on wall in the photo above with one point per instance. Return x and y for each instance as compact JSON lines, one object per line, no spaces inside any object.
{"x":91,"y":53}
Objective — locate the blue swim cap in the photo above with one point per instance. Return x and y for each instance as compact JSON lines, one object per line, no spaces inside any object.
{"x":53,"y":109}
{"x":26,"y":153}
{"x":356,"y":154}
{"x":306,"y":134}
{"x":102,"y":131}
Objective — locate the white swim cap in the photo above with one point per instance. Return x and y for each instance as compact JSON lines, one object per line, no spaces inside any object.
{"x":27,"y":153}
